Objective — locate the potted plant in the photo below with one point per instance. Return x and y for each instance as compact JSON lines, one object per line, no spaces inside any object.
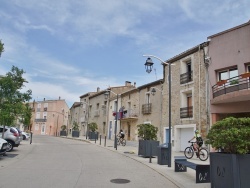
{"x":63,"y":130}
{"x":93,"y":134}
{"x":221,"y":82}
{"x":230,"y":167}
{"x":148,"y":140}
{"x":75,"y":130}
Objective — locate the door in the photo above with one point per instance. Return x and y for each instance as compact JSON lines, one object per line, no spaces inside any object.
{"x":185,"y":135}
{"x":110,"y":129}
{"x":167,"y":135}
{"x":43,"y":129}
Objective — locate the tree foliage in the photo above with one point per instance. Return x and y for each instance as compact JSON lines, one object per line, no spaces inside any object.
{"x":63,"y":127}
{"x":147,"y":131}
{"x":12,"y":98}
{"x":231,"y":134}
{"x":75,"y":126}
{"x":1,"y":47}
{"x":93,"y":127}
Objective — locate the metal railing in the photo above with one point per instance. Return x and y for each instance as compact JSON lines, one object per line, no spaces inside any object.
{"x":186,"y":112}
{"x":233,"y":84}
{"x":147,"y":108}
{"x":186,"y":77}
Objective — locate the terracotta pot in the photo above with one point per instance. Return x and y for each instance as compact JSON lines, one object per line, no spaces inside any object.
{"x":245,"y":75}
{"x":220,"y":83}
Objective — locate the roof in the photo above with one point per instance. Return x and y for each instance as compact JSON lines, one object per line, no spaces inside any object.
{"x":229,"y":30}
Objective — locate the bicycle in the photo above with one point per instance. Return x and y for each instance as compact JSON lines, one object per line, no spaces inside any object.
{"x":121,"y":141}
{"x":202,"y":152}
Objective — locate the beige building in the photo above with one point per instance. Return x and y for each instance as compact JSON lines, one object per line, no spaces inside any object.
{"x":189,"y":108}
{"x":48,"y":116}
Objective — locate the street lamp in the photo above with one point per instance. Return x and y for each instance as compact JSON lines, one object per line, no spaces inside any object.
{"x":116,"y":115}
{"x":148,"y":66}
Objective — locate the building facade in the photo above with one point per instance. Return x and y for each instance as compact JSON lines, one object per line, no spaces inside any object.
{"x":48,"y":116}
{"x":229,"y":59}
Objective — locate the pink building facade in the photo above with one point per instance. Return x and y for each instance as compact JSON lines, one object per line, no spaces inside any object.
{"x":228,"y":59}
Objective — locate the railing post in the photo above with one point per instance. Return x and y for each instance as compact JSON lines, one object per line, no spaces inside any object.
{"x":105,"y":141}
{"x":100,"y":139}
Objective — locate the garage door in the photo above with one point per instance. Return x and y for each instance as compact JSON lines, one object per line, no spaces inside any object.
{"x":186,"y":135}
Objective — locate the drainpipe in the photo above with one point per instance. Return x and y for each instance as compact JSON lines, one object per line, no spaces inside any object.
{"x":199,"y":89}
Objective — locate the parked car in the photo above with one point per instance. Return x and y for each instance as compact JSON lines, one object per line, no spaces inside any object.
{"x":25,"y":135}
{"x":20,"y":133}
{"x":3,"y":146}
{"x":11,"y":135}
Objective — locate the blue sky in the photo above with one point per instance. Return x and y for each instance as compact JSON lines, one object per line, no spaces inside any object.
{"x":70,"y":47}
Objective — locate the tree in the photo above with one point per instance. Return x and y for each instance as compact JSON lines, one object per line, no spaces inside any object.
{"x":12,"y":98}
{"x":1,"y":47}
{"x":26,"y":116}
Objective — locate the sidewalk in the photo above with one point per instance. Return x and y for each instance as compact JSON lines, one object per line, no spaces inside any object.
{"x":181,"y":179}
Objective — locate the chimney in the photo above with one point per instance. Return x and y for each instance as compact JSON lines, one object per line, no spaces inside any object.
{"x":98,"y":89}
{"x":135,"y":84}
{"x":59,"y":98}
{"x":127,"y":83}
{"x":43,"y":99}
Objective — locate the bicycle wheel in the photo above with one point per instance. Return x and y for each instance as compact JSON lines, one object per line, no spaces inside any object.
{"x":189,"y":152}
{"x":118,"y":141}
{"x":123,"y":142}
{"x":203,"y":154}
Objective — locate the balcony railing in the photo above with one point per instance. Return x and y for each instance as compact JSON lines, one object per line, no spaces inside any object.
{"x":186,"y":77}
{"x":40,"y":120}
{"x":186,"y":112}
{"x":147,"y":108}
{"x":130,"y":113}
{"x":233,"y":84}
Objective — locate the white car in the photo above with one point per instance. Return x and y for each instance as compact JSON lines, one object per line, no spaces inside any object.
{"x":25,"y":135}
{"x":3,"y":146}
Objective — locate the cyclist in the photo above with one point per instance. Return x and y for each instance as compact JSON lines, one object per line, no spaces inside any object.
{"x":198,"y":143}
{"x":121,"y":134}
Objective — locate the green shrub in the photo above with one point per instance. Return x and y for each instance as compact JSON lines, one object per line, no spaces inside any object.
{"x":63,"y":127}
{"x":93,"y":127}
{"x":75,"y":126}
{"x":147,"y":131}
{"x":231,"y":134}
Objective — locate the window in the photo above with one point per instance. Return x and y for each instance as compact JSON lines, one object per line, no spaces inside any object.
{"x":227,"y":74}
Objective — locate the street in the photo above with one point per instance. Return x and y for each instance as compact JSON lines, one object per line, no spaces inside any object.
{"x":59,"y":162}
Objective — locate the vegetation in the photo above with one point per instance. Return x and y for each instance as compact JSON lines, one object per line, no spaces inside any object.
{"x":63,"y":127}
{"x":147,"y":131}
{"x":1,"y":47}
{"x":93,"y":127}
{"x":12,"y":98}
{"x":231,"y":135}
{"x":75,"y":126}
{"x":26,"y":116}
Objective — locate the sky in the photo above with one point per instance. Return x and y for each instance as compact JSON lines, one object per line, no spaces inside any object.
{"x":68,"y":48}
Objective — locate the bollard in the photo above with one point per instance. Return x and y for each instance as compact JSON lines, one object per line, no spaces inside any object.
{"x":105,"y":141}
{"x":31,"y":137}
{"x":150,"y":157}
{"x":95,"y":137}
{"x":100,"y":139}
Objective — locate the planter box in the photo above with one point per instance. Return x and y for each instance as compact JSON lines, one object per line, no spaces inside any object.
{"x":75,"y":133}
{"x":220,"y":83}
{"x":229,"y":170}
{"x":93,"y":135}
{"x":63,"y":133}
{"x":245,"y":75}
{"x":145,"y":148}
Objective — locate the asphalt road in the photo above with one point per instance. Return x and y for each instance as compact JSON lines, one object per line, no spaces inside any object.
{"x":53,"y":162}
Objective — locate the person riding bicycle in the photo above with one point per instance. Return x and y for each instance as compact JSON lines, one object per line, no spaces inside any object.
{"x":199,"y":141}
{"x":121,"y":134}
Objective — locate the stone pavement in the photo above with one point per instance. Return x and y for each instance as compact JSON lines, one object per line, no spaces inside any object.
{"x":181,"y":179}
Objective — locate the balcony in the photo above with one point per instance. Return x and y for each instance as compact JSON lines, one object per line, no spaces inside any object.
{"x":186,"y":77}
{"x":147,"y":108}
{"x":40,"y":120}
{"x":129,"y":114}
{"x":232,"y":90}
{"x":186,"y":112}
